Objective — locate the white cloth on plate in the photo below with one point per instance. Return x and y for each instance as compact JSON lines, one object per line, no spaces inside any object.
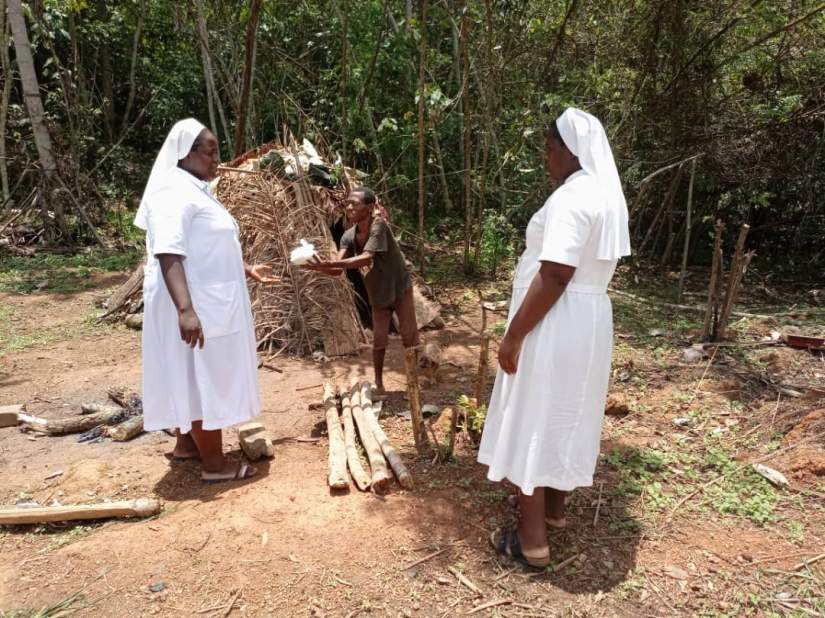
{"x":219,"y":383}
{"x":544,"y":422}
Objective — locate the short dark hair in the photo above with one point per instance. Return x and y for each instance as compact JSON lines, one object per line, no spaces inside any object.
{"x":369,"y":194}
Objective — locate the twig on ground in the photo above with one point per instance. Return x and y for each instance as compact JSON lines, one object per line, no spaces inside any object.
{"x":598,"y":504}
{"x":232,"y":602}
{"x":807,"y":562}
{"x":425,"y":558}
{"x":483,"y":606}
{"x":465,"y":580}
{"x":564,"y":563}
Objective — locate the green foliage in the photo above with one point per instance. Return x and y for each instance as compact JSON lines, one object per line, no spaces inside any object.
{"x":60,"y":273}
{"x":475,"y":414}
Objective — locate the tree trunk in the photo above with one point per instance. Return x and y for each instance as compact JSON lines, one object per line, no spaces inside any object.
{"x":34,"y":106}
{"x":356,"y":470}
{"x":467,"y":158}
{"x":422,"y":62}
{"x":380,"y":474}
{"x":403,"y":475}
{"x":209,"y":75}
{"x":337,"y":478}
{"x":5,"y":63}
{"x":344,"y":84}
{"x":246,"y":84}
{"x":133,"y":67}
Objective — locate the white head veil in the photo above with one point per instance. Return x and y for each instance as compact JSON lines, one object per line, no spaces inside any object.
{"x":585,"y":137}
{"x":175,"y":147}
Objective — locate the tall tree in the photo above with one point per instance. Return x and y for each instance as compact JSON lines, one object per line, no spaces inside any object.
{"x":34,"y":107}
{"x":130,"y":100}
{"x":248,"y":72}
{"x":5,"y":64}
{"x":422,"y":97}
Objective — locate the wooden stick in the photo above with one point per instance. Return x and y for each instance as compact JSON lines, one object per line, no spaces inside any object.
{"x":598,"y":504}
{"x":688,"y":225}
{"x":483,"y":606}
{"x":425,"y":558}
{"x":715,"y":274}
{"x":142,"y":507}
{"x":734,"y":277}
{"x":403,"y":475}
{"x":380,"y":474}
{"x":127,"y":430}
{"x":564,"y":563}
{"x":337,"y":451}
{"x":464,"y":580}
{"x":807,"y":562}
{"x":483,"y":365}
{"x":356,"y":470}
{"x":414,"y":396}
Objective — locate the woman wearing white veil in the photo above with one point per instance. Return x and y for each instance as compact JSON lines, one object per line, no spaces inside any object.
{"x":200,"y":370}
{"x":545,"y":415}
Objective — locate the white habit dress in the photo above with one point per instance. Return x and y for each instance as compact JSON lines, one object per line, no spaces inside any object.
{"x":219,"y":383}
{"x":544,"y":422}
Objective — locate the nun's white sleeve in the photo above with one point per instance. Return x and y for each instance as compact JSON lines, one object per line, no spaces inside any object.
{"x":566,"y":230}
{"x":169,"y":221}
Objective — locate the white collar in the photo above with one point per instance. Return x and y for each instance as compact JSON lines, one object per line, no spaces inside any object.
{"x":200,"y":184}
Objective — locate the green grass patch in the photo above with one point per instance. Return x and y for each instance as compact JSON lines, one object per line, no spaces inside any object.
{"x":11,"y":340}
{"x":60,"y":273}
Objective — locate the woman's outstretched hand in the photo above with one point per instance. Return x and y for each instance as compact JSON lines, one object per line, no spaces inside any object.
{"x":508,"y":353}
{"x":262,"y":273}
{"x":190,"y":328}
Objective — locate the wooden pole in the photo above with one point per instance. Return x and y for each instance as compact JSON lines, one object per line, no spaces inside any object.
{"x":414,"y":397}
{"x":734,"y":277}
{"x":356,"y":470}
{"x":380,"y":474}
{"x":403,"y":475}
{"x":142,"y":507}
{"x":248,"y":73}
{"x":337,"y":450}
{"x":688,"y":225}
{"x":715,"y":275}
{"x":422,"y":98}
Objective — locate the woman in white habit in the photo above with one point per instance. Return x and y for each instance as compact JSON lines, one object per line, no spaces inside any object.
{"x":545,"y":415}
{"x":200,"y":369}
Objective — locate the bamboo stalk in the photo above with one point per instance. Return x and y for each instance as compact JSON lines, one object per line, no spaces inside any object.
{"x":688,"y":225}
{"x":403,"y":475}
{"x":337,"y":451}
{"x":734,"y":278}
{"x":380,"y":474}
{"x":356,"y":470}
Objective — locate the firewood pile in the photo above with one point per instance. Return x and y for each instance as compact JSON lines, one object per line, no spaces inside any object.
{"x":279,"y":196}
{"x":351,"y":420}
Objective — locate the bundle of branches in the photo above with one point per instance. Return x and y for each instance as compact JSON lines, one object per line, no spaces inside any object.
{"x":305,"y":311}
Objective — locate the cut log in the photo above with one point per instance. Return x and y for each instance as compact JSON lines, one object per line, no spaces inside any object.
{"x":10,"y":415}
{"x":337,"y":448}
{"x":97,"y":408}
{"x":124,"y":293}
{"x":403,"y":475}
{"x":78,"y":424}
{"x":414,"y":397}
{"x":356,"y":470}
{"x":127,"y":430}
{"x":142,"y":507}
{"x":380,"y":474}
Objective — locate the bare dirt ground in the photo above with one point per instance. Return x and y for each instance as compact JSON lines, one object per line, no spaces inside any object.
{"x":684,"y":526}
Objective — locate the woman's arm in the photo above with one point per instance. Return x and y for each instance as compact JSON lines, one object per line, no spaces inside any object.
{"x":546,"y":288}
{"x":171,"y":266}
{"x":262,"y":273}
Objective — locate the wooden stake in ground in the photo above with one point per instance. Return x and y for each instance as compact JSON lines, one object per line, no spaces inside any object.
{"x":737,"y":271}
{"x":414,"y":396}
{"x":142,"y":507}
{"x":127,"y":430}
{"x":337,"y":449}
{"x":403,"y":475}
{"x":380,"y":475}
{"x":711,"y":313}
{"x":356,"y":470}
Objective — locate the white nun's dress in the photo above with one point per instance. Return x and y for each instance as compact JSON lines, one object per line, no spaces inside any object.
{"x":544,"y":422}
{"x":219,"y":383}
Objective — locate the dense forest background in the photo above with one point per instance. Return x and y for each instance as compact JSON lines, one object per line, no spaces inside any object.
{"x":720,"y":104}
